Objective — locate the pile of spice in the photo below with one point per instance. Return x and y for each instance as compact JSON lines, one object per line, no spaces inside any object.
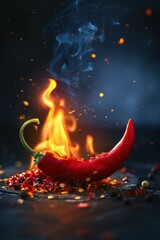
{"x":35,"y":181}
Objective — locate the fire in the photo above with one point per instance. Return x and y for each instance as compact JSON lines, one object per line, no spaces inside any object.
{"x":56,"y":128}
{"x":89,"y":144}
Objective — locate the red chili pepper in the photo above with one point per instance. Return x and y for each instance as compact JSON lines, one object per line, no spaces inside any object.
{"x":71,"y":170}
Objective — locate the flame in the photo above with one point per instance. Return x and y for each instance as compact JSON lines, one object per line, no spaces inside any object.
{"x":89,"y":144}
{"x":56,"y":128}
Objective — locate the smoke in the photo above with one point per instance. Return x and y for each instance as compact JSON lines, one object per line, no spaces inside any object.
{"x":75,"y":32}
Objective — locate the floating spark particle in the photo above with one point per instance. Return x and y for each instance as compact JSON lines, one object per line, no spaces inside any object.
{"x":71,"y":111}
{"x":148,"y":11}
{"x":26,"y":103}
{"x":121,"y":41}
{"x":22,"y":117}
{"x":93,"y":55}
{"x":101,"y":94}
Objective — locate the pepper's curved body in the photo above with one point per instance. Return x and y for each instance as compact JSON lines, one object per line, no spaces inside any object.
{"x":95,"y":169}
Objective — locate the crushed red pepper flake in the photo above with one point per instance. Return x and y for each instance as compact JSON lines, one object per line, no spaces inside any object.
{"x":83,"y":205}
{"x":115,"y":182}
{"x":52,"y":206}
{"x":155,"y":168}
{"x":139,"y":191}
{"x":127,"y":170}
{"x":35,"y":181}
{"x":91,"y":195}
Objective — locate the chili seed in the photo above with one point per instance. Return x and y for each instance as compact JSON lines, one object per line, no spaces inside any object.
{"x":20,"y":201}
{"x":80,"y":190}
{"x":102,"y":196}
{"x":145,"y":184}
{"x":50,"y":197}
{"x":2,"y":172}
{"x":64,"y":192}
{"x":77,"y":197}
{"x":88,"y":179}
{"x":62,"y":185}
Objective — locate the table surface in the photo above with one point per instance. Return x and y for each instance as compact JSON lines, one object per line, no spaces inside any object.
{"x":43,"y":219}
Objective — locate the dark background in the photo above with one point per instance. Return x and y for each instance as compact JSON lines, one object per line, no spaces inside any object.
{"x":127,"y":74}
{"x":129,"y":78}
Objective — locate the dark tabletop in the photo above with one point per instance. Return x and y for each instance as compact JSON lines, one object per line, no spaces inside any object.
{"x":110,"y":218}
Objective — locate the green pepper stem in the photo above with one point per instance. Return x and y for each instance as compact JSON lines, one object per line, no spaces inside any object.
{"x":23,"y":141}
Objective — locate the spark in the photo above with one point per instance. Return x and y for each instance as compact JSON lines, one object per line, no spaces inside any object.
{"x":22,"y":117}
{"x":71,"y":111}
{"x":121,"y":41}
{"x":148,"y":12}
{"x":26,"y":103}
{"x":93,"y":55}
{"x":101,"y":94}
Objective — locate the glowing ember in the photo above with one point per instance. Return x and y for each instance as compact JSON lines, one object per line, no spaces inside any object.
{"x":93,"y":55}
{"x":22,"y":117}
{"x":148,"y":11}
{"x":26,"y":103}
{"x":101,"y":94}
{"x":121,"y":41}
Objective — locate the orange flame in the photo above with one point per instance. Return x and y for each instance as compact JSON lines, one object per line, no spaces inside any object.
{"x":58,"y":124}
{"x":89,"y":144}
